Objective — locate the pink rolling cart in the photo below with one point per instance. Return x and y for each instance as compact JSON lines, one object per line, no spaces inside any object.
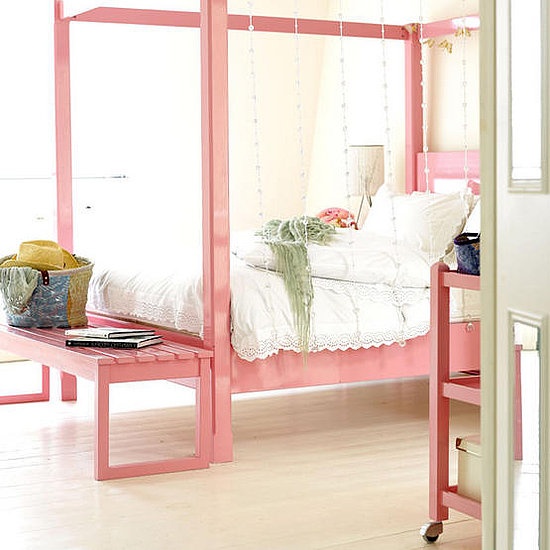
{"x":444,"y":388}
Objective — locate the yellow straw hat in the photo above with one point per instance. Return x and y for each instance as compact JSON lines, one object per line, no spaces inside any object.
{"x":42,"y":255}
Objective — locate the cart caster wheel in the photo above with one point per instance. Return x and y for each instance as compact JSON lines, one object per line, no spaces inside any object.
{"x":430,"y":531}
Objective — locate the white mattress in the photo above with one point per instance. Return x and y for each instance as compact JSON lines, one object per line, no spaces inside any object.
{"x":345,"y":314}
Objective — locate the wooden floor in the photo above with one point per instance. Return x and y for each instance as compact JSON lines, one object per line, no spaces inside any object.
{"x":335,"y":468}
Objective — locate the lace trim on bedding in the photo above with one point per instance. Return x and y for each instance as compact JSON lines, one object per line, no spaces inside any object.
{"x":332,"y":342}
{"x":153,"y":313}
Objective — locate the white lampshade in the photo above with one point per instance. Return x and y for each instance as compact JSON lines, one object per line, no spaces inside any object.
{"x":366,"y":169}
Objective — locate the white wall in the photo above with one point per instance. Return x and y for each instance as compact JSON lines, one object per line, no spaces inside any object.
{"x":365,"y":120}
{"x":325,"y":137}
{"x":279,"y":124}
{"x":446,"y":116}
{"x":365,"y":97}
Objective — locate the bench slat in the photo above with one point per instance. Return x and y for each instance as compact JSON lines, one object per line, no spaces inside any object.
{"x":166,"y":351}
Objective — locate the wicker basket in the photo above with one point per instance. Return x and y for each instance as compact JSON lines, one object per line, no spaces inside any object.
{"x":59,"y":299}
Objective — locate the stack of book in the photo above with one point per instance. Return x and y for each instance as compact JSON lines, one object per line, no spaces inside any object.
{"x":111,"y":337}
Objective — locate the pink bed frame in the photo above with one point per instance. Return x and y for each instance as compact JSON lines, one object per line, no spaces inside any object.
{"x":285,"y":370}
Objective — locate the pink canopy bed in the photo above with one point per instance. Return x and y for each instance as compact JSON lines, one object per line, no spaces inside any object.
{"x":279,"y":368}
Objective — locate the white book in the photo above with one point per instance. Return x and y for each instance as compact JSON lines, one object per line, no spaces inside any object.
{"x":109,"y":332}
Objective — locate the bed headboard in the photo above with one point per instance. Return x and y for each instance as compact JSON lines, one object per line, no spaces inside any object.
{"x":446,"y":171}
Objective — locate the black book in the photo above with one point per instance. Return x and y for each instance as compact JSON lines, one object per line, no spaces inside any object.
{"x":121,"y":343}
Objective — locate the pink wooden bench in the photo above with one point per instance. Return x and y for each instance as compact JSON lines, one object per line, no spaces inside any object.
{"x":169,"y":360}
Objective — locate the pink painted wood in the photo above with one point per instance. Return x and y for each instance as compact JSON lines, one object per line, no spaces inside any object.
{"x":443,"y":388}
{"x":63,"y":157}
{"x":240,"y":22}
{"x":466,"y":390}
{"x":446,"y":165}
{"x":334,"y":367}
{"x":68,"y":387}
{"x":215,"y":162}
{"x":439,"y":407}
{"x":166,"y":361}
{"x":42,"y":395}
{"x":449,"y":26}
{"x":318,"y":27}
{"x":413,"y":111}
{"x":230,"y":374}
{"x":129,"y":16}
{"x":451,"y":499}
{"x":63,"y":148}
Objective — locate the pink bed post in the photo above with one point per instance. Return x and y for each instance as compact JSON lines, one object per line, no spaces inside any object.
{"x":214,"y":59}
{"x":413,"y":110}
{"x":63,"y":129}
{"x":63,"y":160}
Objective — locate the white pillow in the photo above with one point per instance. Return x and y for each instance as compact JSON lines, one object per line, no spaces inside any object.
{"x":473,"y":223}
{"x":426,"y":221}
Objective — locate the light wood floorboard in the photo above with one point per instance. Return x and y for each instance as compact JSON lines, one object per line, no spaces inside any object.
{"x":341,"y":468}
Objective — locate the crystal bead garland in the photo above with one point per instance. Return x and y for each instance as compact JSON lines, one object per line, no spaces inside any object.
{"x":344,"y":105}
{"x":255,"y":120}
{"x":424,"y":108}
{"x":258,"y":167}
{"x":424,"y":102}
{"x":397,"y":291}
{"x":350,"y":229}
{"x":465,"y":33}
{"x":300,"y":142}
{"x":424,"y":44}
{"x":299,"y":112}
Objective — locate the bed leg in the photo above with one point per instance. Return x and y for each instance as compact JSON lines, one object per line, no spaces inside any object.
{"x":68,"y":387}
{"x":222,"y":434}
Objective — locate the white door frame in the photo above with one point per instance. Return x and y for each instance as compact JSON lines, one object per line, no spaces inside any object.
{"x":488,"y":267}
{"x":497,"y":379}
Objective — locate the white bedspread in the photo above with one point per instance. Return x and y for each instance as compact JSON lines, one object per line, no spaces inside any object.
{"x":345,"y":314}
{"x":351,"y":256}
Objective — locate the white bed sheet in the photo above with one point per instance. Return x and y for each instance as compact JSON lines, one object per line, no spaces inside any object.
{"x":345,"y":314}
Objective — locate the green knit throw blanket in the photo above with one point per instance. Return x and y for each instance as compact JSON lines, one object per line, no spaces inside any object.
{"x":288,"y":241}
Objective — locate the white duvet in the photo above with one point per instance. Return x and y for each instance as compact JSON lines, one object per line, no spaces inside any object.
{"x":368,"y":292}
{"x":355,"y":256}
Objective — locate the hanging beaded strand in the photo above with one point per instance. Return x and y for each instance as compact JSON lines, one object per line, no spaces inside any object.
{"x":258,"y":167}
{"x":255,"y":120}
{"x":424,"y":109}
{"x":424,"y":93}
{"x":387,"y":129}
{"x":425,"y":147}
{"x":299,"y":111}
{"x":345,"y":135}
{"x":397,"y":290}
{"x":344,"y":104}
{"x":301,"y":154}
{"x":465,"y":32}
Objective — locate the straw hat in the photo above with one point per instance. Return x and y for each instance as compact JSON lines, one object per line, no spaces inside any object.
{"x":41,"y":255}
